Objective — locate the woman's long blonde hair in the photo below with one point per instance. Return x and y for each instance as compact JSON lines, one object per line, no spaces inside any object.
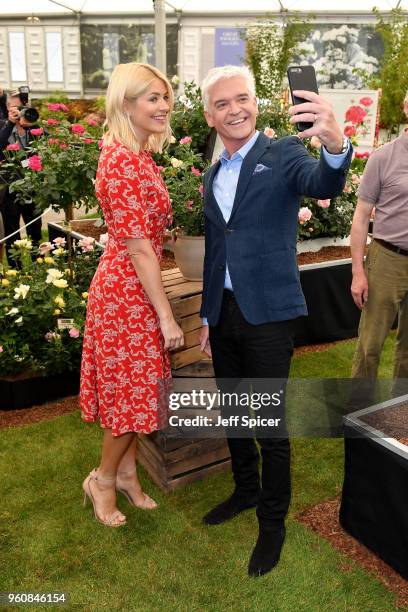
{"x":129,"y":81}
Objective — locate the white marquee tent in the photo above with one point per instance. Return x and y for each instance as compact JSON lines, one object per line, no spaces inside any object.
{"x":42,"y":7}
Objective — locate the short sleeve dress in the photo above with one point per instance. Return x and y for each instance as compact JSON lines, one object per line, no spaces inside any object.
{"x":125,"y":371}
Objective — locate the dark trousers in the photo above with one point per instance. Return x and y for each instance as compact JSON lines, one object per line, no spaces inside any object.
{"x":241,"y":350}
{"x":12,"y":211}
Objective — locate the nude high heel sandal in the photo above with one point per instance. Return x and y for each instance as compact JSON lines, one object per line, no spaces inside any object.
{"x":114,"y":520}
{"x":147,"y":504}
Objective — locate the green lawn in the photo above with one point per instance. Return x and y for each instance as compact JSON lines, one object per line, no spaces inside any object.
{"x":166,"y":559}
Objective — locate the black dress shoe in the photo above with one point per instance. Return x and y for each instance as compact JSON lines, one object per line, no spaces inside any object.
{"x":229,"y":508}
{"x":266,"y":553}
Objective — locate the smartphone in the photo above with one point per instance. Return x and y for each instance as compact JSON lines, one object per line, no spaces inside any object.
{"x":302,"y":77}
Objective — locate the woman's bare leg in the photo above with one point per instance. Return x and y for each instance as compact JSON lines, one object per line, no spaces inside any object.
{"x":128,"y":480}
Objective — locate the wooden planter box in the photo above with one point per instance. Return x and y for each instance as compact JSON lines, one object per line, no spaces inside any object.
{"x":375,"y":491}
{"x":26,"y":392}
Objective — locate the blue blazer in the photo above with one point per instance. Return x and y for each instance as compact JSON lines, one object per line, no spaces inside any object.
{"x":259,"y":240}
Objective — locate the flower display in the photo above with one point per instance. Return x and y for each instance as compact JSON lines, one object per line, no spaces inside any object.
{"x":32,"y":298}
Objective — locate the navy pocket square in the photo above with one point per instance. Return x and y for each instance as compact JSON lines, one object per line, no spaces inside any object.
{"x":261,"y":168}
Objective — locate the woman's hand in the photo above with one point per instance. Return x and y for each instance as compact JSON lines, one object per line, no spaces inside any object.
{"x":172,"y":334}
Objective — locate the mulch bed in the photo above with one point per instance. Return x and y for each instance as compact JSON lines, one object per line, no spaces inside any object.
{"x":88,"y":228}
{"x":323,"y":519}
{"x":393,"y":422}
{"x":35,"y":414}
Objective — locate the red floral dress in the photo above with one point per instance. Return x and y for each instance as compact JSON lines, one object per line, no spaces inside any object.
{"x":125,"y":372}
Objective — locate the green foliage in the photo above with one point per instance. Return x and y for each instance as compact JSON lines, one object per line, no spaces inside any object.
{"x":393,"y":75}
{"x":34,"y":297}
{"x":270,"y":49}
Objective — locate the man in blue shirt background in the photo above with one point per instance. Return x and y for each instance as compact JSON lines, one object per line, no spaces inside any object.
{"x":251,"y":286}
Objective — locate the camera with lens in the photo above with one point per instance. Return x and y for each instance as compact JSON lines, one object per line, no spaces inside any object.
{"x":29,"y":113}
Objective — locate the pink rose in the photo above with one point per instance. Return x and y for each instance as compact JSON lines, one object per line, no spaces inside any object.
{"x":88,"y":140}
{"x":63,"y":145}
{"x":86,"y":243}
{"x":37,"y":131}
{"x":347,"y":189}
{"x":185,"y":140}
{"x":201,"y":189}
{"x":1,"y":349}
{"x":367,"y":101}
{"x":52,"y":122}
{"x":63,"y":107}
{"x":77,"y":128}
{"x":45,"y":248}
{"x":74,"y":332}
{"x":53,"y":141}
{"x":34,"y":163}
{"x":355,"y":179}
{"x":305,"y":214}
{"x":160,"y":168}
{"x":13,"y":147}
{"x":53,"y":106}
{"x":269,"y":132}
{"x":322,"y":204}
{"x":349,"y":130}
{"x":195,"y":171}
{"x":189,"y":204}
{"x":59,"y":241}
{"x":92,"y":122}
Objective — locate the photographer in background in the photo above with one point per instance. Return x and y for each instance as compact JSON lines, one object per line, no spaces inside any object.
{"x":3,"y":106}
{"x":16,"y":130}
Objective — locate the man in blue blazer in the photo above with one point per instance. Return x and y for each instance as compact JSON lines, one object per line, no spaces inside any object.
{"x":252,"y":291}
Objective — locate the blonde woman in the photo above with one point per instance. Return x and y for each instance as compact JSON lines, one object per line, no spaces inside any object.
{"x":130,"y":326}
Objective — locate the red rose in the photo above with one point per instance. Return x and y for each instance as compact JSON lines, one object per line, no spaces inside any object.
{"x":367,"y":101}
{"x":361,"y":155}
{"x":355,"y":114}
{"x":349,"y":130}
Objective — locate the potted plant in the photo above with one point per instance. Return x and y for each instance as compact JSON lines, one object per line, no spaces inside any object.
{"x":182,"y":170}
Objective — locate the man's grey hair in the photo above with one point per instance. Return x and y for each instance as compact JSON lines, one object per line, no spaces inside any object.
{"x":225,"y":72}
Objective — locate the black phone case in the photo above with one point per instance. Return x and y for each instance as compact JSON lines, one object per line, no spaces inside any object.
{"x":302,"y":77}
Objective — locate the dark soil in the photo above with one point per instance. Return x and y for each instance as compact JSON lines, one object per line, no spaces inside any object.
{"x":323,"y":519}
{"x":88,"y":228}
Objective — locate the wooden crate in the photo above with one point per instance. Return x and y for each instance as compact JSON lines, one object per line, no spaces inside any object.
{"x":185,"y":299}
{"x":172,"y":460}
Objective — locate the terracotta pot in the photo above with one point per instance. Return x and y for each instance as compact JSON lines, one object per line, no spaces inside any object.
{"x":189,"y":255}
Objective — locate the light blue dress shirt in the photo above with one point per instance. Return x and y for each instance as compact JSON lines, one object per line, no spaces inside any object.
{"x":226,"y":180}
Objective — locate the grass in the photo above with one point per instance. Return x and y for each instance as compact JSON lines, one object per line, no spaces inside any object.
{"x":167,"y":560}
